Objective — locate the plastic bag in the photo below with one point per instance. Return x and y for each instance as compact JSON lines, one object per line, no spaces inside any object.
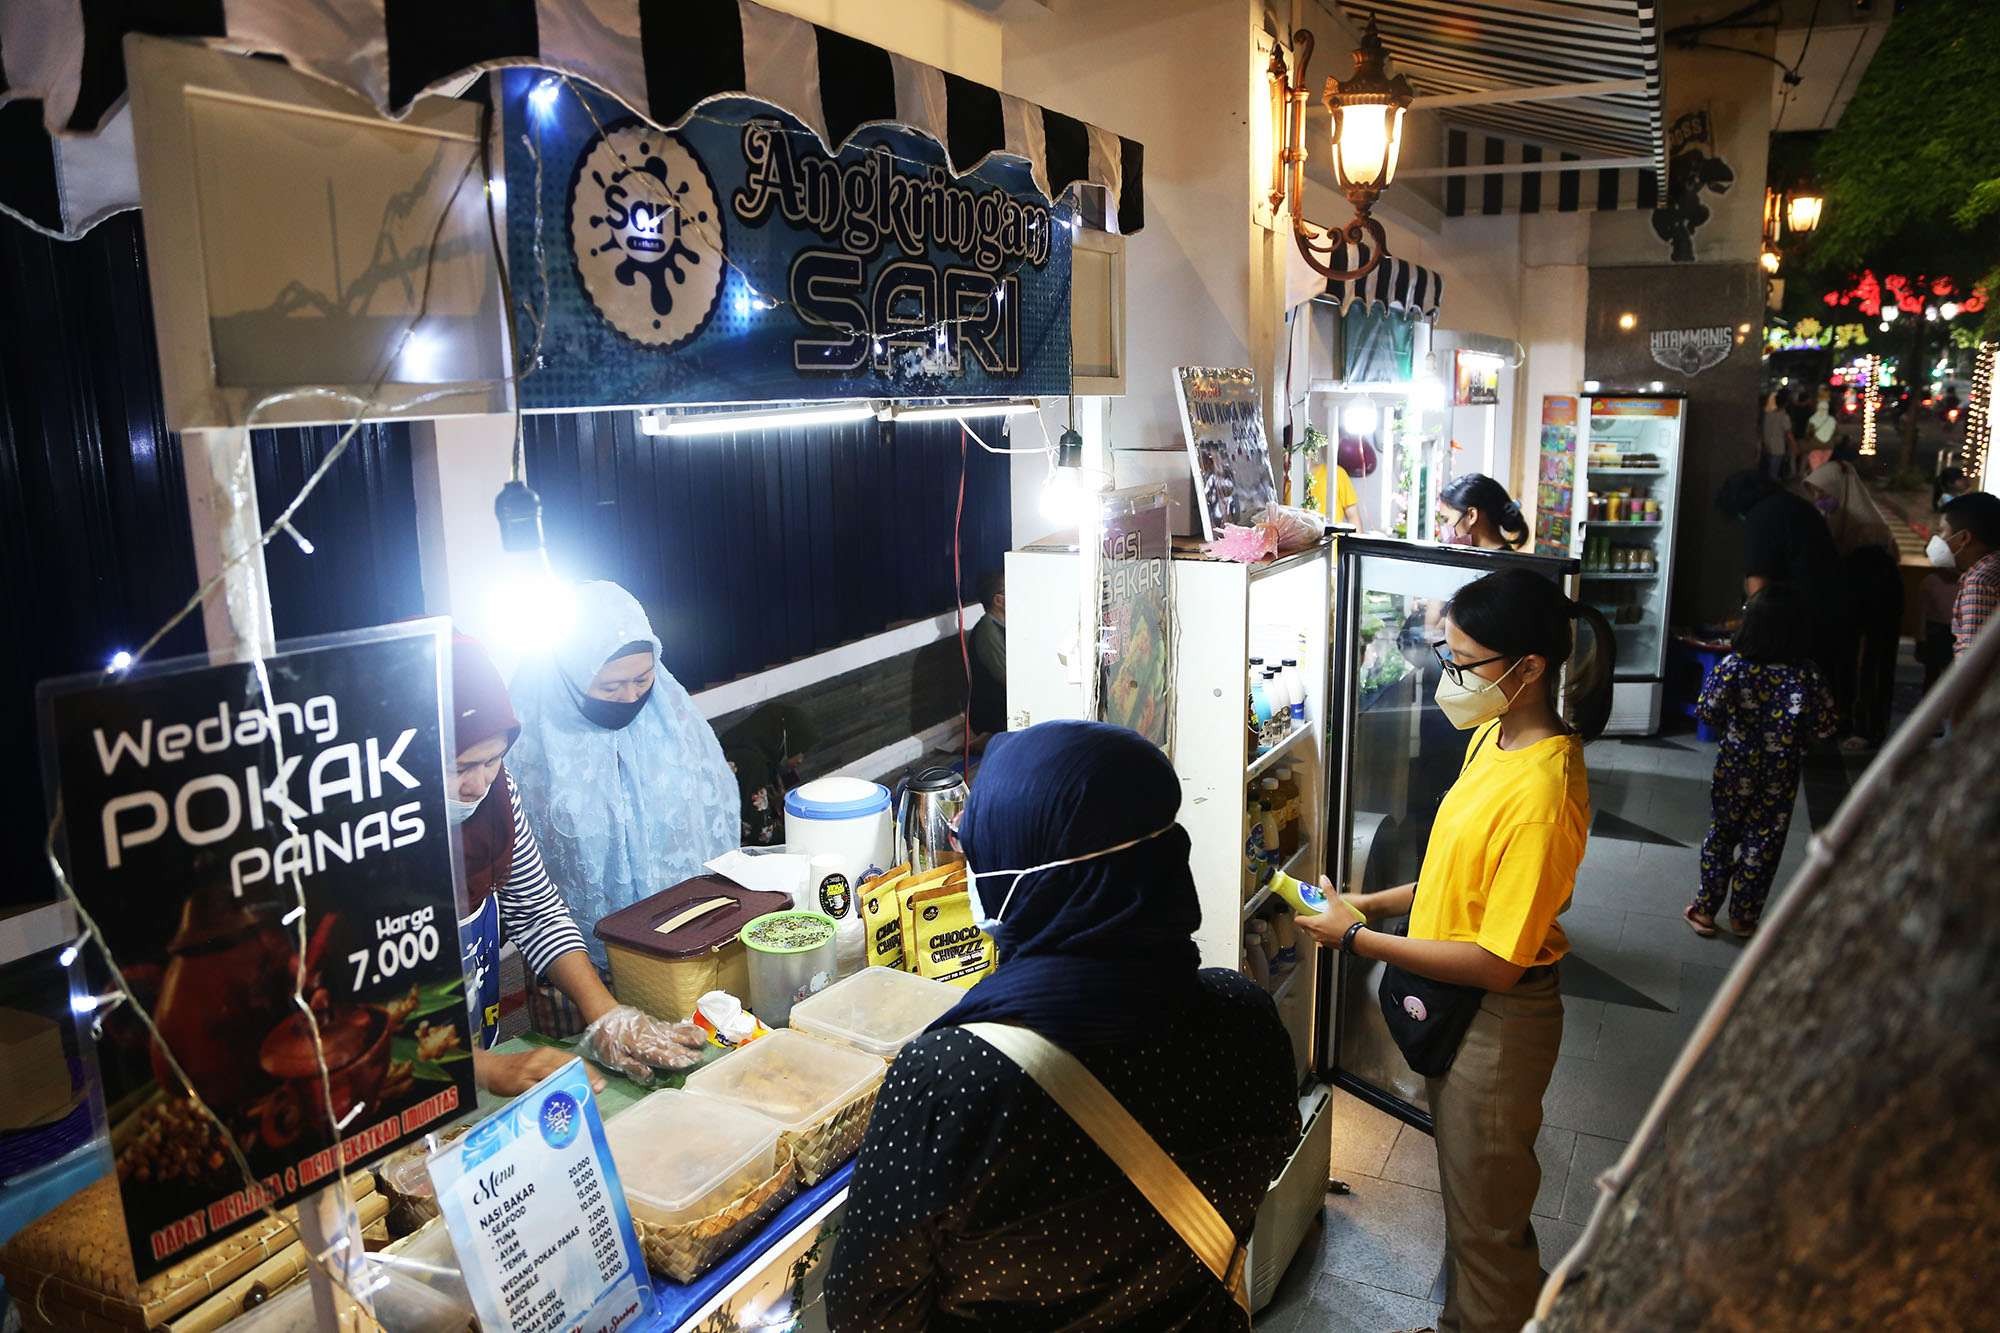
{"x":635,"y":1044}
{"x":1295,"y":528}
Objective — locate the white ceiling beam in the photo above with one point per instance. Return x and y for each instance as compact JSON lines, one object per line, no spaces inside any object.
{"x":1518,"y":168}
{"x":1548,"y":92}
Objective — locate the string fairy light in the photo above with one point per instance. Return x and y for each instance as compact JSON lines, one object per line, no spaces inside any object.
{"x":122,"y":992}
{"x":1871,"y":403}
{"x":1978,"y":415}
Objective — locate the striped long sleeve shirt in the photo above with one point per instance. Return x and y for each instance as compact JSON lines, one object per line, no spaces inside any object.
{"x":532,"y":911}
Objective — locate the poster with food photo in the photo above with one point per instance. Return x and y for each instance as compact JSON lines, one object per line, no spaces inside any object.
{"x":1135,"y":625}
{"x":1224,"y":426}
{"x":267,"y":854}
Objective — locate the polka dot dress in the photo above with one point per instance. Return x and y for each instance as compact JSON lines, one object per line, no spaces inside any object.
{"x":977,"y":1202}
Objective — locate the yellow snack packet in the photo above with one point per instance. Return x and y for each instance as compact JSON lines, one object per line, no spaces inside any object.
{"x":930,"y":879}
{"x":947,"y":946}
{"x":882,"y":917}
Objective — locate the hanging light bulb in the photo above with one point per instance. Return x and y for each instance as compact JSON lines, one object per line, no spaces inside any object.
{"x":1063,"y":491}
{"x":1360,"y":418}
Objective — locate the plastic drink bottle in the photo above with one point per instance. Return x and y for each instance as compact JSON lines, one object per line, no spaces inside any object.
{"x":1295,"y":689}
{"x":1303,"y":897}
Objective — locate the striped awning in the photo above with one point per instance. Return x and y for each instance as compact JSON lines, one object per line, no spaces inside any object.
{"x":66,"y":143}
{"x":1459,"y":50}
{"x":1394,"y":284}
{"x":1593,"y":189}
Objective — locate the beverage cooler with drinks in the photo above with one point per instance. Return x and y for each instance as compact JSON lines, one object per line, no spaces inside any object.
{"x":1627,"y":499}
{"x":1248,"y":738}
{"x":1396,"y":755}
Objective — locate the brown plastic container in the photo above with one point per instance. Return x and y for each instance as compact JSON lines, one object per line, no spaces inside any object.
{"x":673,"y":948}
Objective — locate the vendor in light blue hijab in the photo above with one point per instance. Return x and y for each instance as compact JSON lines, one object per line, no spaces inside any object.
{"x":623,"y":781}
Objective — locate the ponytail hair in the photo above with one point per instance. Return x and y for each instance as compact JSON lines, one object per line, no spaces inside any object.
{"x":1476,"y":490}
{"x":1518,"y":613}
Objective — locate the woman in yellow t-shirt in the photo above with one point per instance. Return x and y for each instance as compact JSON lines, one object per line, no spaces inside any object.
{"x":1499,"y":869}
{"x":1343,"y":505}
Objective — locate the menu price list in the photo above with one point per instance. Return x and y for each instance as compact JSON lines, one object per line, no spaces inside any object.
{"x":551,"y":1244}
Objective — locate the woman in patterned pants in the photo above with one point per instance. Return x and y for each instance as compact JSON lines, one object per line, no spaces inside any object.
{"x":1770,"y":705}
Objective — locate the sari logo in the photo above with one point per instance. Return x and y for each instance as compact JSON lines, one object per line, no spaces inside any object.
{"x":644,"y":228}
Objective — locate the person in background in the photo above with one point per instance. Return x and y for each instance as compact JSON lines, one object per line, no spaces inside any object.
{"x":986,"y":705}
{"x":1343,"y":503}
{"x":1475,"y":510}
{"x":1969,"y":532}
{"x":510,"y":895}
{"x":1935,"y":596}
{"x":1950,"y":482}
{"x":1872,"y":567}
{"x":1500,"y":867}
{"x":1786,"y":541}
{"x":1771,"y":704}
{"x":765,"y":750}
{"x":977,"y":1202}
{"x":623,"y":781}
{"x":1775,"y":455}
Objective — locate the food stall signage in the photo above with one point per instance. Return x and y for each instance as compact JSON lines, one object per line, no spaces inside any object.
{"x":871,"y":272}
{"x":199,"y":803}
{"x":538,"y":1216}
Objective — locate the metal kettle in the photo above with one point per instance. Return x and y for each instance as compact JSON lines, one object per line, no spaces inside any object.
{"x":926,"y":808}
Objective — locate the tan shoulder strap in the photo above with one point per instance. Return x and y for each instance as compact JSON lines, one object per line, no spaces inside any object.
{"x":1125,"y":1141}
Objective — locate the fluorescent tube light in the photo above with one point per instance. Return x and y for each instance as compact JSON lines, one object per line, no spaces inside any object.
{"x":956,"y":411}
{"x":723,"y":423}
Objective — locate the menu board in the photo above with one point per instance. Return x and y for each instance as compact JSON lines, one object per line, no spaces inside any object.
{"x":265,"y":849}
{"x":1135,"y":616}
{"x":1555,"y":491}
{"x":538,"y":1217}
{"x":1224,"y":426}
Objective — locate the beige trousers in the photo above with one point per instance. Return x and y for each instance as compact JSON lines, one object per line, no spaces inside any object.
{"x":1488,"y":1109}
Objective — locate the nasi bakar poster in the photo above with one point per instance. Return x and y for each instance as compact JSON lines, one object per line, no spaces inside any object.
{"x":1224,"y":426}
{"x":195,"y":808}
{"x":1135,"y":632}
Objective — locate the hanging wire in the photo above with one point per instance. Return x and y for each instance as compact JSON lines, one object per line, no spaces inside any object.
{"x":369,"y":403}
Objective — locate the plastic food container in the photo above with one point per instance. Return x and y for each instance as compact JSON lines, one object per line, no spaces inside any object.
{"x":847,"y":818}
{"x":791,"y":955}
{"x":673,"y":948}
{"x":819,"y":1093}
{"x":700,"y":1174}
{"x":878,"y":1010}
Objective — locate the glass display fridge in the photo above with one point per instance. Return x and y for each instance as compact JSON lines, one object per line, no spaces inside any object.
{"x":1627,"y":500}
{"x":1397,"y":755}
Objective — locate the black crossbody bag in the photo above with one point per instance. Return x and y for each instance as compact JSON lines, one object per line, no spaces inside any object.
{"x":1427,"y":1018}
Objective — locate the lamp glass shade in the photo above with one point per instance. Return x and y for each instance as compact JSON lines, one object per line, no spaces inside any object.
{"x":1362,"y":144}
{"x":1802,"y":211}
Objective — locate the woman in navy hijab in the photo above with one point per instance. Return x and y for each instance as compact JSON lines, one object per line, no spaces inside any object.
{"x":977,"y":1201}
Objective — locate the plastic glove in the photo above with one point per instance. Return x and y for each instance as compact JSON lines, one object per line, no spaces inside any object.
{"x":635,"y":1044}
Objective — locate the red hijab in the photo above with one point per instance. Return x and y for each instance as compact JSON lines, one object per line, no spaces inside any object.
{"x":481,"y":711}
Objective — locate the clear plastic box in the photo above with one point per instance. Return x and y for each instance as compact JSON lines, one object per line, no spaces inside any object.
{"x":878,"y":1010}
{"x":682,"y":1157}
{"x":790,"y":1077}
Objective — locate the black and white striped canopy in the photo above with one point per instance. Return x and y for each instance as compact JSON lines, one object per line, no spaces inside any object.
{"x":66,"y":142}
{"x":1458,"y":47}
{"x":1398,"y":284}
{"x":1597,"y":189}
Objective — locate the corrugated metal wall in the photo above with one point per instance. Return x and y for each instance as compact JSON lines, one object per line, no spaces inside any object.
{"x":94,"y":545}
{"x":755,"y":549}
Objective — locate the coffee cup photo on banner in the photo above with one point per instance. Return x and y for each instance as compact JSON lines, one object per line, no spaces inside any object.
{"x":197,"y":811}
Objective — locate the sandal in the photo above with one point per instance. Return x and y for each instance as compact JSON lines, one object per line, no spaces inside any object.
{"x":1707,"y":932}
{"x":1739,"y":930}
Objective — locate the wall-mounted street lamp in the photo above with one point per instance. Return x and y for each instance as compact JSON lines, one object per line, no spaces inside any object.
{"x":1367,"y":111}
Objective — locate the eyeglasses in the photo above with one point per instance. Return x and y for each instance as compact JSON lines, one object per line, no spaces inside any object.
{"x":1457,"y":670}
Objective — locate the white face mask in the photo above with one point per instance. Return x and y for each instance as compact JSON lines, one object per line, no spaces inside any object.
{"x":1939,"y":551}
{"x":989,"y":924}
{"x":1478,"y":700}
{"x":458,"y":811}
